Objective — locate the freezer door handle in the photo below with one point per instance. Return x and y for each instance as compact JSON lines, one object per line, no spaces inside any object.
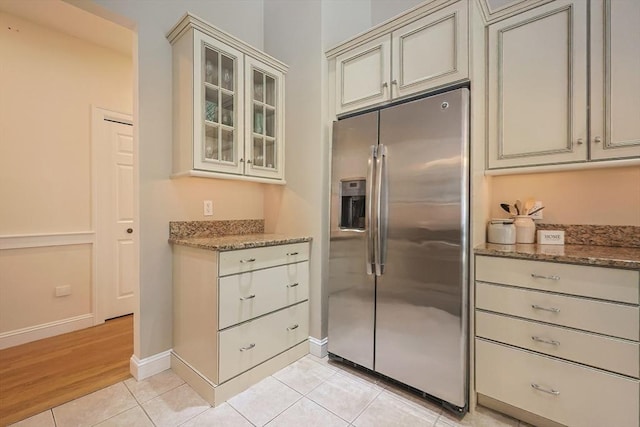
{"x":369,"y":212}
{"x":380,"y":211}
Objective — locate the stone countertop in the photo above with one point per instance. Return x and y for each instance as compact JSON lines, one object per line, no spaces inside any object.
{"x":604,"y":256}
{"x":241,"y":241}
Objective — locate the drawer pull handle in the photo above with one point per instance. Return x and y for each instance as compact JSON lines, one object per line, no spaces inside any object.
{"x":246,"y":298}
{"x":247,"y":260}
{"x":292,"y":253}
{"x":551,"y":309}
{"x":249,"y":347}
{"x":293,"y":286}
{"x":552,"y":342}
{"x":550,"y":390}
{"x":540,"y":276}
{"x":291,"y":328}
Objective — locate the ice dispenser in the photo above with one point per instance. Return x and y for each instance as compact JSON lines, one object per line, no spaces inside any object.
{"x":353,"y":204}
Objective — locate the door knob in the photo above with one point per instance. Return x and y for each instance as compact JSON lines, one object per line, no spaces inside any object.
{"x":129,"y":230}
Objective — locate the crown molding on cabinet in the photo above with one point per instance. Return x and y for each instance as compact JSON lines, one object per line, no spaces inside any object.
{"x":390,"y":25}
{"x":190,"y":20}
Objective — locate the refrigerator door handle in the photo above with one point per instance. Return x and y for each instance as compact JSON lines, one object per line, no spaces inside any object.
{"x":380,"y":211}
{"x":369,"y":213}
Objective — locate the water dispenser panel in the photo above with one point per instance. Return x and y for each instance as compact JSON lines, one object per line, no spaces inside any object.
{"x":353,"y":202}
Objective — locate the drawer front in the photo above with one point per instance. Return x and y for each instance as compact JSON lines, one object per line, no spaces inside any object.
{"x":596,"y":282}
{"x":243,"y":260}
{"x":251,"y":343}
{"x":245,"y":296}
{"x":590,"y":315}
{"x":595,"y":350}
{"x":585,"y":396}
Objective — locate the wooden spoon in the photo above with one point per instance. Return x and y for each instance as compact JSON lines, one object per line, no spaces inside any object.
{"x":528,"y":205}
{"x":518,"y":206}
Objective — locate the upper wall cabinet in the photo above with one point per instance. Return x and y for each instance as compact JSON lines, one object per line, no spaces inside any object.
{"x":615,"y":79}
{"x":425,"y":48}
{"x":538,"y":84}
{"x":228,"y":106}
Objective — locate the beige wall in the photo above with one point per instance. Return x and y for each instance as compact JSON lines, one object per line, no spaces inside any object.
{"x":595,"y":196}
{"x":48,"y":83}
{"x":29,"y":277}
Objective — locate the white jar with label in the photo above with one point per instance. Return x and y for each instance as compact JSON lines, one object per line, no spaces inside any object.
{"x":525,"y":229}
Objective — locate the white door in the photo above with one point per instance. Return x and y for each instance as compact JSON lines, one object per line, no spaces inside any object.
{"x":117,"y":228}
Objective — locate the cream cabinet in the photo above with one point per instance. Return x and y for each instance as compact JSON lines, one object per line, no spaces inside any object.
{"x":615,"y":79}
{"x":424,"y":49}
{"x":566,"y":339}
{"x":538,"y":86}
{"x":228,"y":106}
{"x":235,"y":312}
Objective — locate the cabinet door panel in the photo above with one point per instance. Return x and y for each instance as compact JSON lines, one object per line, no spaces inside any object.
{"x":218,"y":143}
{"x":363,"y":75}
{"x":615,"y":79}
{"x":537,"y":87}
{"x":264,"y":113}
{"x":430,"y":52}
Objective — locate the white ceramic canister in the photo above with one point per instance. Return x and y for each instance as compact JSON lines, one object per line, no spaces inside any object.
{"x":525,"y":229}
{"x":501,"y":231}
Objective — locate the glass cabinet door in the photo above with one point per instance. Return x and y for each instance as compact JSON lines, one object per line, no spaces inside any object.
{"x":264,"y":109}
{"x":217,"y":79}
{"x":219,"y":108}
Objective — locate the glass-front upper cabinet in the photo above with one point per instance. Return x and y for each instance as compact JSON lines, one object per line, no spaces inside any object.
{"x":220,"y":143}
{"x":228,"y":106}
{"x":264,"y":118}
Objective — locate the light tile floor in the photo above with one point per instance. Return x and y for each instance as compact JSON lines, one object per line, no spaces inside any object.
{"x":310,"y":392}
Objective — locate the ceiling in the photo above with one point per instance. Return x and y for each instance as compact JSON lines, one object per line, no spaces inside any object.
{"x":66,"y":18}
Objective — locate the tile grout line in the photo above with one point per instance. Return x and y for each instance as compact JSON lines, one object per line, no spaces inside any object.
{"x":367,"y":406}
{"x":310,"y":391}
{"x":238,"y":412}
{"x":122,"y":412}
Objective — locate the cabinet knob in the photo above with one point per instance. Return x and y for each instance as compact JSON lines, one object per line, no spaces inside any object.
{"x":384,"y":85}
{"x":248,"y":161}
{"x":597,"y":139}
{"x":129,"y":230}
{"x":580,"y":141}
{"x":394,"y":82}
{"x":241,"y":160}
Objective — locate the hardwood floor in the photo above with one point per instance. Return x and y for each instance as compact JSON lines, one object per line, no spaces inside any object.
{"x":43,"y":374}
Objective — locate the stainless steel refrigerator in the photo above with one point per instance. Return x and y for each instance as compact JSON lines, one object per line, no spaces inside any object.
{"x":399,"y":244}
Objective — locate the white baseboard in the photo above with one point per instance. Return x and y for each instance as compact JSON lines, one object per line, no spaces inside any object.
{"x":149,"y":366}
{"x":318,"y":347}
{"x":46,"y":330}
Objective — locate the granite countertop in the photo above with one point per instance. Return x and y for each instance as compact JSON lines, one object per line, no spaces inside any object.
{"x":240,"y":241}
{"x":605,"y":256}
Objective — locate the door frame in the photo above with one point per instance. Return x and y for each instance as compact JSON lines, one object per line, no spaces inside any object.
{"x":98,"y":117}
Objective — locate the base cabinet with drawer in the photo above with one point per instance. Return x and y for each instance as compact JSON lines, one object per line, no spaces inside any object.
{"x":558,"y":342}
{"x":238,"y":315}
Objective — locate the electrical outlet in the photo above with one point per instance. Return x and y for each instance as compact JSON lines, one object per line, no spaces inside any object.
{"x":536,"y":205}
{"x":208,"y":208}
